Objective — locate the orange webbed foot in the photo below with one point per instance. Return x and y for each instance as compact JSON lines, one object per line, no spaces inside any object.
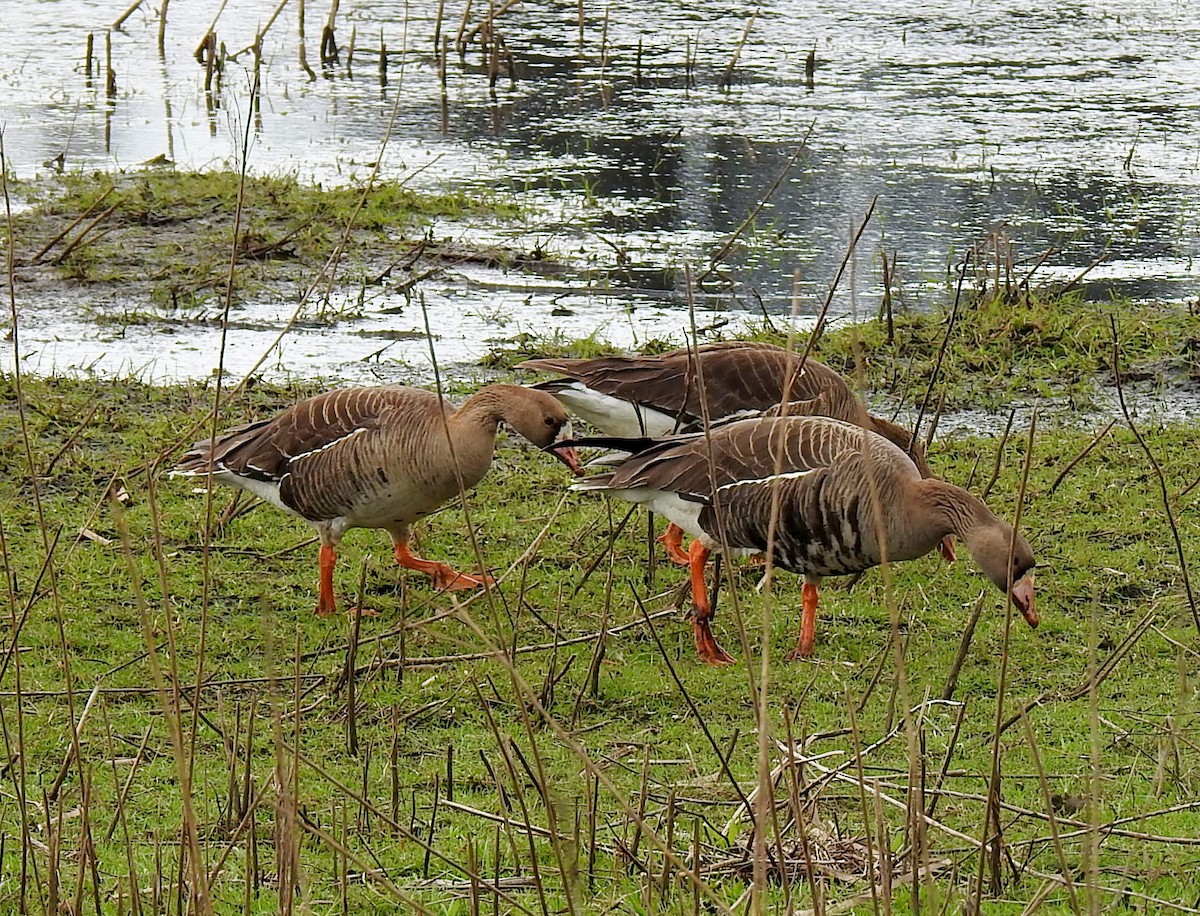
{"x":672,"y":541}
{"x":446,"y":579}
{"x":707,"y":647}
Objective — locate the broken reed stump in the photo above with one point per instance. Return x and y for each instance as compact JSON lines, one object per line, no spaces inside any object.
{"x":110,"y":77}
{"x":727,"y":76}
{"x":329,"y":48}
{"x":302,"y":50}
{"x":162,"y":29}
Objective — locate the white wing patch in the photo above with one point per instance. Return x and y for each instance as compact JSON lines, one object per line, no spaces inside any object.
{"x":330,"y":444}
{"x":767,"y":481}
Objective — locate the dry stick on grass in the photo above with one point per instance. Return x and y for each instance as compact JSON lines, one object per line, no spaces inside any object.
{"x":937,"y":366}
{"x":1158,"y":473}
{"x":44,"y":250}
{"x":998,"y":463}
{"x":1044,"y":785}
{"x":434,"y":661}
{"x":75,"y":242}
{"x":964,"y":646}
{"x":1078,"y":458}
{"x":1106,"y":668}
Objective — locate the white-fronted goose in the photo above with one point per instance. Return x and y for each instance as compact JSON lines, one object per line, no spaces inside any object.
{"x":376,"y":458}
{"x":635,"y":396}
{"x":848,"y":500}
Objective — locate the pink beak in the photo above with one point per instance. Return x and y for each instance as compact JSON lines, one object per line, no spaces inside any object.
{"x":570,"y":458}
{"x":1022,"y":597}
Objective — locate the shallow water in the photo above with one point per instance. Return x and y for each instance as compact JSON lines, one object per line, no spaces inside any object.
{"x":1072,"y":125}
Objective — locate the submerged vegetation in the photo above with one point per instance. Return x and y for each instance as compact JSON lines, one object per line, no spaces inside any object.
{"x":178,"y":726}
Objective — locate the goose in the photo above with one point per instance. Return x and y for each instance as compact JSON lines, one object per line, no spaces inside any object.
{"x":380,"y":457}
{"x":654,"y":396}
{"x":849,"y":499}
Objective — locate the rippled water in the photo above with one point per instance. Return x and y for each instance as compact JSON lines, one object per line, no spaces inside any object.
{"x":1073,"y":125}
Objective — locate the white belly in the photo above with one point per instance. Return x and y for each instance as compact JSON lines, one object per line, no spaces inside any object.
{"x":614,"y":416}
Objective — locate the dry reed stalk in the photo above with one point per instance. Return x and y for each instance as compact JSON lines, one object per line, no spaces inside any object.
{"x":302,"y":51}
{"x":329,"y":48}
{"x":162,"y":29}
{"x":110,"y":76}
{"x":1093,"y":839}
{"x":49,"y":544}
{"x":998,"y":463}
{"x":727,"y":77}
{"x":120,"y":20}
{"x":1062,"y":475}
{"x":517,"y":785}
{"x":937,"y":366}
{"x":190,"y":858}
{"x":992,"y":830}
{"x":1044,"y":785}
{"x":964,"y":645}
{"x":1159,"y":477}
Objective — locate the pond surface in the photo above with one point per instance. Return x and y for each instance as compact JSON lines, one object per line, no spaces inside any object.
{"x":1072,"y":127}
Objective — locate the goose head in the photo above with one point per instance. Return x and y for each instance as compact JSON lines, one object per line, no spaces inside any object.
{"x":542,"y":420}
{"x":989,"y":545}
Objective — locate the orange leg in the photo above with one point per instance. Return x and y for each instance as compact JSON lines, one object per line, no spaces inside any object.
{"x":672,"y":540}
{"x":808,"y":622}
{"x":444,"y":578}
{"x":706,"y":646}
{"x":326,"y":602}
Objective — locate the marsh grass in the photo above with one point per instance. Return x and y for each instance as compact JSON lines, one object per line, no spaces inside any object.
{"x":575,"y":777}
{"x":167,"y":233}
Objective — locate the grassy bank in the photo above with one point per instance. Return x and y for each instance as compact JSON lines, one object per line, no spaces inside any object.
{"x":228,"y":737}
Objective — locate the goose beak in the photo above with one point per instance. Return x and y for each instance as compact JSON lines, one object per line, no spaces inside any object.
{"x":946,"y":548}
{"x":1022,"y":597}
{"x":568,"y":456}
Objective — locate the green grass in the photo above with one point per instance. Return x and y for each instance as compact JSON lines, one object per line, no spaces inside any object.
{"x":273,"y":684}
{"x":169,"y":234}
